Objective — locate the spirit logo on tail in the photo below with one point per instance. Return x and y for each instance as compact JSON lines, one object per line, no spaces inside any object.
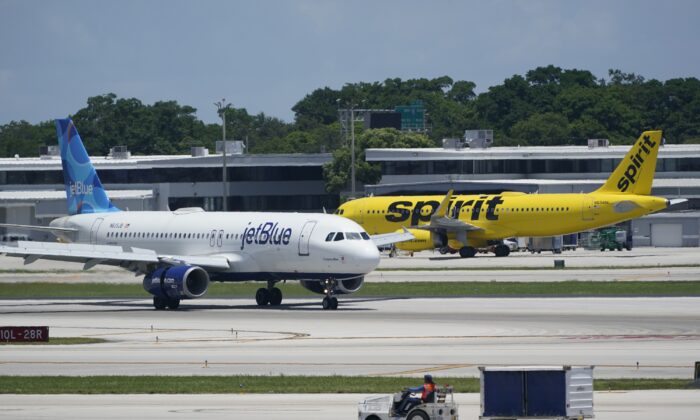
{"x":636,"y":159}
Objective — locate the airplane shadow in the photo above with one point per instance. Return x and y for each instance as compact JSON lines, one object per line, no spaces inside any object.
{"x":134,"y":305}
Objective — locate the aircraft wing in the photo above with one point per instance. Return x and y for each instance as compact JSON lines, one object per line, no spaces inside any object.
{"x":38,"y":228}
{"x":204,"y":261}
{"x":449,"y":224}
{"x":392,"y":238}
{"x":134,"y":259}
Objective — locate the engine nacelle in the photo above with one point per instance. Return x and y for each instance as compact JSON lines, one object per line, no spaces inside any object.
{"x":423,"y":240}
{"x":177,"y":282}
{"x":343,"y":287}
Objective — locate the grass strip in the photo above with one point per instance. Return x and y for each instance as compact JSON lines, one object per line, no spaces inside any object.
{"x":58,"y":341}
{"x":374,"y":289}
{"x":529,"y":268}
{"x":266,"y":384}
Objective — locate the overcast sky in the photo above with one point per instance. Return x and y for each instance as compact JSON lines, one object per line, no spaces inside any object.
{"x":266,"y":55}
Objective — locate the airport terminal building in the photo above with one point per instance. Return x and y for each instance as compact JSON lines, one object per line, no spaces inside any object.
{"x":32,"y":188}
{"x":32,"y":191}
{"x":552,"y":169}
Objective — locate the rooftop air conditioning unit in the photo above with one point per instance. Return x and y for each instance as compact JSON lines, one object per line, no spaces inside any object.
{"x":119,"y":152}
{"x":233,"y":147}
{"x":452,"y":144}
{"x":593,"y":143}
{"x":49,"y":152}
{"x":478,"y":139}
{"x":199,"y":151}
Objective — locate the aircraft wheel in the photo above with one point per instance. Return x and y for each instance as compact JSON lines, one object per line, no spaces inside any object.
{"x":334,"y":303}
{"x":326,"y":303}
{"x":418,"y":415}
{"x":275,"y":296}
{"x":467,"y":252}
{"x":159,"y":303}
{"x":262,"y":297}
{"x":173,"y":303}
{"x":502,"y":251}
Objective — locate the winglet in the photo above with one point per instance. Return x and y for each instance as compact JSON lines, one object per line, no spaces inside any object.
{"x":442,"y":209}
{"x":635,"y":173}
{"x":84,"y":190}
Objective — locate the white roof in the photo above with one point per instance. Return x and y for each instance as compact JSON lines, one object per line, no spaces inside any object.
{"x":526,"y":152}
{"x":31,"y":195}
{"x":144,"y":162}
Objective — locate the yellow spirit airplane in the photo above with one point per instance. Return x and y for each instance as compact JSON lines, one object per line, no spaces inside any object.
{"x":468,"y":222}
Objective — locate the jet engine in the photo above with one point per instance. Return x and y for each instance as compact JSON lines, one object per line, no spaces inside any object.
{"x":424,"y":240}
{"x":343,"y":287}
{"x":177,"y":282}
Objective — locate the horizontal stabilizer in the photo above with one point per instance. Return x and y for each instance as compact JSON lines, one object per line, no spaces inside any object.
{"x":674,"y":201}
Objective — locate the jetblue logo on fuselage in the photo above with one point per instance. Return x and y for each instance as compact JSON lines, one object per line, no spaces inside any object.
{"x":268,"y":233}
{"x":644,"y":148}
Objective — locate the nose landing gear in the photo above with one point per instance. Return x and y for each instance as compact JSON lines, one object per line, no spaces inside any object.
{"x":330,"y":301}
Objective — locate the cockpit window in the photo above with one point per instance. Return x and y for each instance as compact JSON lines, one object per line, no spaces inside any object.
{"x":339,"y":236}
{"x":330,"y":236}
{"x":365,"y":236}
{"x":353,"y":236}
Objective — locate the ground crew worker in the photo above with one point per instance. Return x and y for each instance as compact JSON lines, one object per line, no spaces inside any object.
{"x":427,"y":391}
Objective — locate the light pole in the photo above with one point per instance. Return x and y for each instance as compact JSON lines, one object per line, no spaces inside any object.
{"x":352,"y":150}
{"x":222,"y":106}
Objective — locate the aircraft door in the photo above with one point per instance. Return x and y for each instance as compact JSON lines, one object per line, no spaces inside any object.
{"x":93,"y":230}
{"x":305,"y":236}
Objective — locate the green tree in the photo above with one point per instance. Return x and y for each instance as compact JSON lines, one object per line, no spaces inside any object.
{"x":24,"y":139}
{"x":542,"y":130}
{"x":337,"y":172}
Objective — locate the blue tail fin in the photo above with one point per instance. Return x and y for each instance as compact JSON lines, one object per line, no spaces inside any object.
{"x":84,"y":190}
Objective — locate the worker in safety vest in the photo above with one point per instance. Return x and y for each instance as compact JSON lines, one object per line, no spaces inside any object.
{"x":427,"y":391}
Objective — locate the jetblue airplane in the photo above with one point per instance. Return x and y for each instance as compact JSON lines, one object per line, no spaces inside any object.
{"x":181,"y":251}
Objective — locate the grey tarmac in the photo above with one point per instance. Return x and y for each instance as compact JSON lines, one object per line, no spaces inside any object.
{"x":634,"y":405}
{"x":444,"y":336}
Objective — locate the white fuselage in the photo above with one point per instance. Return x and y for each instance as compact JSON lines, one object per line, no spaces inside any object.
{"x":257,"y":245}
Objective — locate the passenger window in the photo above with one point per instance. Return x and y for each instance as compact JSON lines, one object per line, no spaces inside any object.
{"x":330,"y":237}
{"x":338,"y":236}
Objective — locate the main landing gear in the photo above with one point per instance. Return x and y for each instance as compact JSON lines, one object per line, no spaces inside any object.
{"x":161,"y":303}
{"x":330,"y":301}
{"x":501,"y":250}
{"x":467,"y":252}
{"x":270,"y":295}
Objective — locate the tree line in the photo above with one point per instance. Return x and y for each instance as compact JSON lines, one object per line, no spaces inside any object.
{"x":546,"y":106}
